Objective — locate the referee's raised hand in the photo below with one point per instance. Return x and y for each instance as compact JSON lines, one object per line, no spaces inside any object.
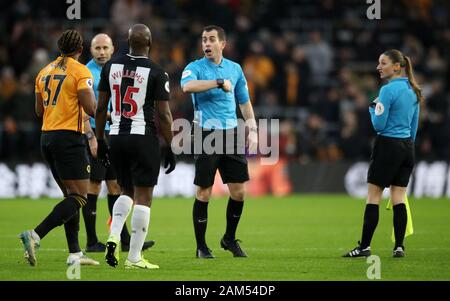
{"x":227,"y":85}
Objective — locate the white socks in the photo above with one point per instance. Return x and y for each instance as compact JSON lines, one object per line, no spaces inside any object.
{"x":121,"y":209}
{"x":139,"y":226}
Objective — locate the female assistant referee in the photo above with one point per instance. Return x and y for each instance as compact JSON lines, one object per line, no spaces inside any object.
{"x":395,"y":116}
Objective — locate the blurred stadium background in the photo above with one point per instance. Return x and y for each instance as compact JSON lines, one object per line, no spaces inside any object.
{"x":310,"y":64}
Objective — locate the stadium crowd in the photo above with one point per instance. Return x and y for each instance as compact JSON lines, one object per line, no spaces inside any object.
{"x":311,"y":64}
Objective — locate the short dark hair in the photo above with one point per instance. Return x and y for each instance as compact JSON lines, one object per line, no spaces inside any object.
{"x":220,"y":31}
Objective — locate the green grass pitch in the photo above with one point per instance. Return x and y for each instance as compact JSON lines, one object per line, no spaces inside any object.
{"x":301,"y":237}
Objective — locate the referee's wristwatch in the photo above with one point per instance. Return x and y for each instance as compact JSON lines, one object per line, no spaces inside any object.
{"x":220,"y":83}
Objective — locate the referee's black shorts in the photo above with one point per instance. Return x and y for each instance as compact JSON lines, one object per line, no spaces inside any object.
{"x":391,"y":162}
{"x":66,"y":154}
{"x":232,"y":165}
{"x":98,"y":171}
{"x":136,"y":159}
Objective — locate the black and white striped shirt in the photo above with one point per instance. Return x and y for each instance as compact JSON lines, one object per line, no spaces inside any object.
{"x":135,"y":83}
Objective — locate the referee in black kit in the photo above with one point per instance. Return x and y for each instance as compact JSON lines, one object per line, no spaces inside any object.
{"x":395,"y":116}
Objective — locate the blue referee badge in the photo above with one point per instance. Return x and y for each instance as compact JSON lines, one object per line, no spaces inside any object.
{"x":379,"y":109}
{"x":89,"y":82}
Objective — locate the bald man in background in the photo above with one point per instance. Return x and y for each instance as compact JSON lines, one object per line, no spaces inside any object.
{"x":101,"y":50}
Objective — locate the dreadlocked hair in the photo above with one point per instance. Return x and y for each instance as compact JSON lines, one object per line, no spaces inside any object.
{"x":69,"y":42}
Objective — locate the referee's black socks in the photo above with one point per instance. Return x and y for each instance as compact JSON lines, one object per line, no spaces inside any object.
{"x":371,"y":216}
{"x":400,"y":220}
{"x":200,"y":218}
{"x":61,"y":213}
{"x":89,"y":216}
{"x":234,"y":211}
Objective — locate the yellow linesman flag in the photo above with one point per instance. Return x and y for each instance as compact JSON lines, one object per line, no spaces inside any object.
{"x":409,"y":223}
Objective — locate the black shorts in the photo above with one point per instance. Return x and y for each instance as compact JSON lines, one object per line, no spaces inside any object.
{"x":232,"y":169}
{"x":136,"y":159}
{"x":391,"y":162}
{"x":98,"y":171}
{"x":65,"y":152}
{"x":232,"y":165}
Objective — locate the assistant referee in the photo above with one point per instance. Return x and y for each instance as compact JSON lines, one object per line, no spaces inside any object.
{"x":395,"y":116}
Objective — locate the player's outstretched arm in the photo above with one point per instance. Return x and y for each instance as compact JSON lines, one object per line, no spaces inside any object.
{"x":101,"y":113}
{"x":38,"y":105}
{"x":165,"y":118}
{"x":195,"y":86}
{"x":86,"y":98}
{"x":249,"y":116}
{"x":90,"y":135}
{"x":100,"y":122}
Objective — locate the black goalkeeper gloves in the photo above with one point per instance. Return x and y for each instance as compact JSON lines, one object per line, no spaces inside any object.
{"x":103,"y":152}
{"x":169,"y":160}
